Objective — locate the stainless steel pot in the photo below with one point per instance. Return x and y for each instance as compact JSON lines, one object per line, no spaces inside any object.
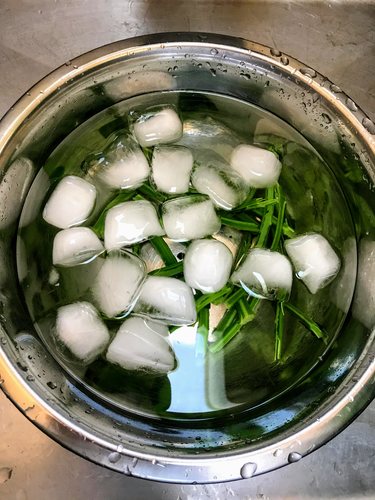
{"x":304,"y":418}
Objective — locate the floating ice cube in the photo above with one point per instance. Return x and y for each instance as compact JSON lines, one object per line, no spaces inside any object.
{"x":314,"y":260}
{"x":265,"y":274}
{"x":70,"y":203}
{"x":258,"y":167}
{"x":80,"y":329}
{"x":123,"y":164}
{"x":152,"y":258}
{"x":74,"y":246}
{"x":224,"y":186}
{"x":171,"y":168}
{"x":189,"y":218}
{"x":142,"y":345}
{"x":158,"y":127}
{"x":118,"y":283}
{"x":207,"y":265}
{"x":204,"y":133}
{"x":230,"y":237}
{"x":167,"y":300}
{"x":130,"y":222}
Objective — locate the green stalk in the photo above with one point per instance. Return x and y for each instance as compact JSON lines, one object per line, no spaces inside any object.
{"x":206,"y":299}
{"x":251,"y":227}
{"x":288,"y":231}
{"x":280,"y":219}
{"x":230,"y":333}
{"x":163,"y":250}
{"x":151,"y":194}
{"x":266,"y":223}
{"x":203,"y":321}
{"x":235,"y":297}
{"x":279,"y":329}
{"x":256,"y":204}
{"x":171,"y":270}
{"x":247,"y":309}
{"x":307,"y":323}
{"x":232,"y":322}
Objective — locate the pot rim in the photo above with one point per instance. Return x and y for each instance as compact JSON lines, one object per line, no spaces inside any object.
{"x":331,"y":418}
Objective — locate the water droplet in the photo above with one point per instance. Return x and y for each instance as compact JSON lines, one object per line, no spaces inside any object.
{"x":114,"y":457}
{"x":22,"y":365}
{"x":175,"y":68}
{"x":68,"y":63}
{"x":277,"y":452}
{"x":284,"y":60}
{"x":134,"y":461}
{"x":30,"y":378}
{"x":214,"y":52}
{"x":248,"y":470}
{"x":5,"y":474}
{"x":245,"y":75}
{"x":52,"y":385}
{"x":369,"y":125}
{"x":335,"y":88}
{"x":3,"y":340}
{"x":275,"y":52}
{"x":308,"y":72}
{"x":294,"y":456}
{"x":213,"y":71}
{"x":326,"y":118}
{"x":351,"y":105}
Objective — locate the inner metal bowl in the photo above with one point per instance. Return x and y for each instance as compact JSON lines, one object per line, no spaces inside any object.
{"x":253,"y":442}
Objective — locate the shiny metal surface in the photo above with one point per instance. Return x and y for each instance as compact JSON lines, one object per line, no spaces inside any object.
{"x":196,"y":492}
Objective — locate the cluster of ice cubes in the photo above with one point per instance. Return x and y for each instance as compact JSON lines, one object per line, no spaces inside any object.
{"x":190,"y":227}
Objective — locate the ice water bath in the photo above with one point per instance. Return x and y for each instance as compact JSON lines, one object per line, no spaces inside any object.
{"x":186,"y":255}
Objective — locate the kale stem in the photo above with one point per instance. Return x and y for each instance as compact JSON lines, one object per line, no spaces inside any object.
{"x":251,"y":227}
{"x":206,"y":299}
{"x":266,"y":223}
{"x":163,"y":250}
{"x":307,"y":323}
{"x":279,"y":329}
{"x":280,"y":219}
{"x":171,"y":270}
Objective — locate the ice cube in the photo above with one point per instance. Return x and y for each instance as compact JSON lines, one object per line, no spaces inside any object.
{"x":265,"y":274}
{"x":80,"y":329}
{"x":171,"y":168}
{"x":314,"y":260}
{"x":207,"y":265}
{"x":190,"y":217}
{"x":230,"y":237}
{"x":129,"y":223}
{"x":118,"y":283}
{"x":258,"y":167}
{"x":123,"y":164}
{"x":158,"y":127}
{"x":70,"y":203}
{"x":152,"y":258}
{"x":224,"y":186}
{"x":142,"y":345}
{"x":74,"y":246}
{"x":167,"y":300}
{"x":203,"y":133}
